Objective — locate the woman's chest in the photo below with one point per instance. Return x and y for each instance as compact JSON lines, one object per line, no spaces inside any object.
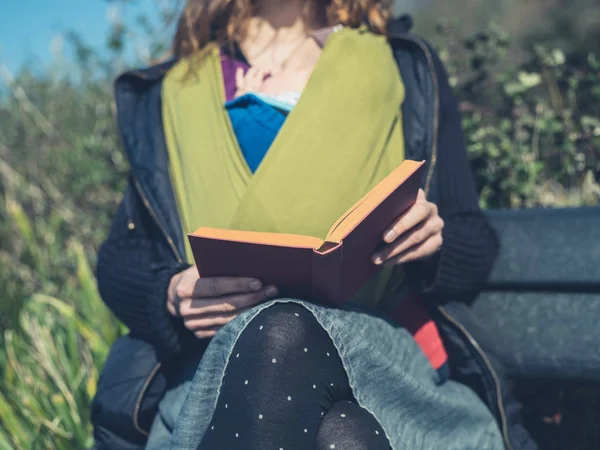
{"x":286,"y":81}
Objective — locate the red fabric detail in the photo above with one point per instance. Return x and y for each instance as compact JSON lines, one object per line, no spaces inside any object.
{"x":413,"y":316}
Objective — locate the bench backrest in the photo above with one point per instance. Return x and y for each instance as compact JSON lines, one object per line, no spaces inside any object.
{"x":547,"y":249}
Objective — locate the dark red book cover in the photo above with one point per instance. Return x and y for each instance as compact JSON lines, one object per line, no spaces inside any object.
{"x":305,"y":267}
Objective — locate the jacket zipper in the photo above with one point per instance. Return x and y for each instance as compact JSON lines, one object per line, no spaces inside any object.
{"x":158,"y":222}
{"x":138,"y":403}
{"x":138,"y":188}
{"x":488,"y":364}
{"x":436,"y":104}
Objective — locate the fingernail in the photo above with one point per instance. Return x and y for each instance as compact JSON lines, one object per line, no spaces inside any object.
{"x":389,"y":236}
{"x":255,"y":285}
{"x":377,"y":259}
{"x":271,"y":292}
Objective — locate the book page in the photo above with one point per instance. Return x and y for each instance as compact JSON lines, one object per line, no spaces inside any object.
{"x":361,"y":209}
{"x":257,"y":237}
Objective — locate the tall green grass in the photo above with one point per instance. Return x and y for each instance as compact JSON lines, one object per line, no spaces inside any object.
{"x":50,"y":358}
{"x":61,"y":174}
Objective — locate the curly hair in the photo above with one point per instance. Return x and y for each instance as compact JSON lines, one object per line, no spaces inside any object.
{"x":222,"y":22}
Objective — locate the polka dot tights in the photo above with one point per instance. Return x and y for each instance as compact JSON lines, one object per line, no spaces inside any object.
{"x":285,"y":388}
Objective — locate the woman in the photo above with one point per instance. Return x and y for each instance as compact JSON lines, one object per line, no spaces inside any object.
{"x":235,"y":132}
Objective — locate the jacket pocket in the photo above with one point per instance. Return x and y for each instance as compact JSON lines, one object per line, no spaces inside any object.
{"x":130,"y":387}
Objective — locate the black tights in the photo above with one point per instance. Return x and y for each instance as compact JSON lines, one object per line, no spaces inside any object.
{"x":285,"y":388}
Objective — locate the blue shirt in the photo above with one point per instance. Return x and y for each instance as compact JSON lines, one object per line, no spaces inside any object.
{"x":255,"y":124}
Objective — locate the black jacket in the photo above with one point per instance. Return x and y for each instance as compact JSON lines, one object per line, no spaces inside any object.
{"x":145,"y":249}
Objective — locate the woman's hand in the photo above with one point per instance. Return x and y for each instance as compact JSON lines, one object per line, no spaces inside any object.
{"x":417,"y":234}
{"x":206,"y":304}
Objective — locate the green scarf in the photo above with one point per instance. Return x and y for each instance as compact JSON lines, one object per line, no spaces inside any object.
{"x":342,"y":138}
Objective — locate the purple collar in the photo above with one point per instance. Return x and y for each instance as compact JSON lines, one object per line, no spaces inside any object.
{"x":229,"y":66}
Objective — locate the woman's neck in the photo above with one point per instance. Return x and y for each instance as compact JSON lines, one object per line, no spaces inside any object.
{"x":278,"y":23}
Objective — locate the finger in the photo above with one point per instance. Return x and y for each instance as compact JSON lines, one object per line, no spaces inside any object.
{"x":266,"y":72}
{"x":258,"y":75}
{"x":227,"y":304}
{"x":250,"y":78}
{"x":250,"y":73}
{"x":273,"y":70}
{"x":239,"y":78}
{"x":401,"y":244}
{"x":414,"y":237}
{"x":423,"y":250}
{"x":206,"y":334}
{"x":195,"y":323}
{"x":218,"y":286}
{"x":171,"y":309}
{"x":254,"y":83}
{"x":184,"y":285}
{"x":416,"y":214}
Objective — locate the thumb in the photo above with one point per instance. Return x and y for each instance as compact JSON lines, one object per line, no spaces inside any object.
{"x":239,"y":77}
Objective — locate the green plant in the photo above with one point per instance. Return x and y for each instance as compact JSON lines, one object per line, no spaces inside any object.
{"x":60,"y":176}
{"x":532,"y":131}
{"x":52,"y":363}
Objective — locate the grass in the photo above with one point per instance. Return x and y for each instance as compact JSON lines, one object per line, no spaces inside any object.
{"x":51,"y":357}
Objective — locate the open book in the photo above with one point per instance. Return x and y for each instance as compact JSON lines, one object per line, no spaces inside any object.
{"x":330,"y":270}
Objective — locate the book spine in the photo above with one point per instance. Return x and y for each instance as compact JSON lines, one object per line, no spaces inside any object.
{"x":327,"y":274}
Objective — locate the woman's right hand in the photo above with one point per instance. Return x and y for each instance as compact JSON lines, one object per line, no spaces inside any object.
{"x":206,"y":304}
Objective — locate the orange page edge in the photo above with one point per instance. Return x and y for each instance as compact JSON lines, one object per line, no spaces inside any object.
{"x":259,"y":237}
{"x":351,"y":218}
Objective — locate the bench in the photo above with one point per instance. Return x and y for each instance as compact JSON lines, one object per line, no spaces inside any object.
{"x":541,"y":308}
{"x":543,"y":297}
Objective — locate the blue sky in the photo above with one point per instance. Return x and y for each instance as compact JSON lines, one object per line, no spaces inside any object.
{"x":31,"y":30}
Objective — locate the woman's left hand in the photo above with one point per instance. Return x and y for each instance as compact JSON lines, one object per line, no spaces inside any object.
{"x":417,"y":234}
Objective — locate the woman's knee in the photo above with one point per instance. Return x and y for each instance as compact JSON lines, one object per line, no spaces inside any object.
{"x":286,"y":342}
{"x":348,"y":426}
{"x":280,"y":329}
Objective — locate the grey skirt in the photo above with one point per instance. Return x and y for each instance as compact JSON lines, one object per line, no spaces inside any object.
{"x":389,"y":375}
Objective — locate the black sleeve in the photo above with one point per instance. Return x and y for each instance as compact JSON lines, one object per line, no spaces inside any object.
{"x":133,"y":277}
{"x":470,"y":246}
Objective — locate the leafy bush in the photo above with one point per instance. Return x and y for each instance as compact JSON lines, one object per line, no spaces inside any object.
{"x":533,"y":131}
